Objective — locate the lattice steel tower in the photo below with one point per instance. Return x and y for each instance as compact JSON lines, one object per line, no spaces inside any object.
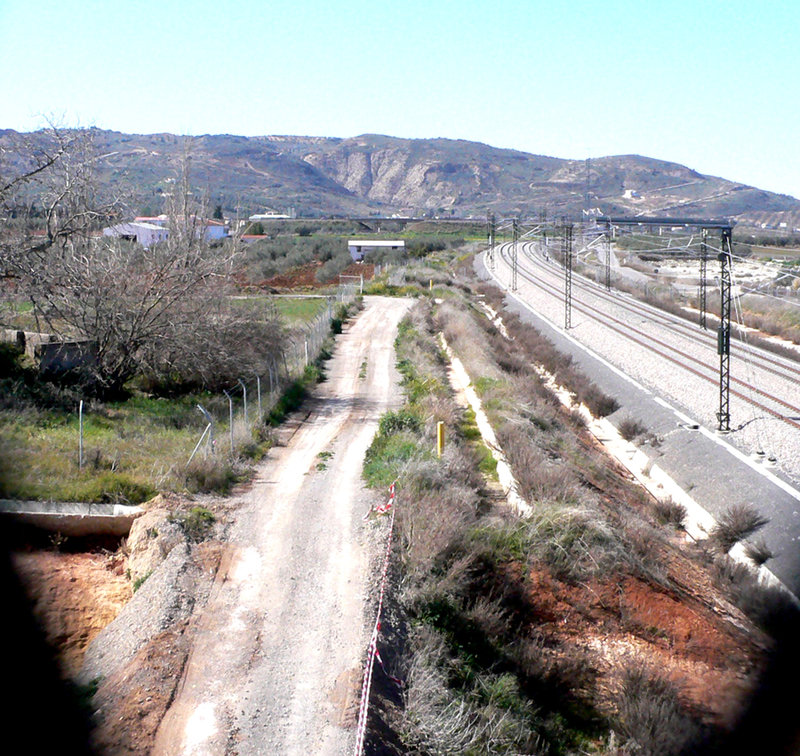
{"x":566,"y":248}
{"x":724,"y":332}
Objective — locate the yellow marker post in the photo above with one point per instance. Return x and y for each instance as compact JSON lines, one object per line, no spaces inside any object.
{"x":440,"y":438}
{"x":430,"y":284}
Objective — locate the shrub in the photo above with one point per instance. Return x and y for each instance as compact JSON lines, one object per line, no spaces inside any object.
{"x":738,"y":522}
{"x":137,"y":584}
{"x":290,"y":400}
{"x":599,"y":403}
{"x":652,"y":716}
{"x":669,"y":512}
{"x":489,"y":715}
{"x":504,"y":540}
{"x":10,"y":360}
{"x":340,"y":315}
{"x":397,"y":422}
{"x":768,"y":606}
{"x":575,"y":542}
{"x":386,"y":456}
{"x":629,"y":429}
{"x":114,"y":488}
{"x":758,"y":552}
{"x":209,"y":475}
{"x":196,"y":523}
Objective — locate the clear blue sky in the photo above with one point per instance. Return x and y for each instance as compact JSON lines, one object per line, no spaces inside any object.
{"x":712,"y":85}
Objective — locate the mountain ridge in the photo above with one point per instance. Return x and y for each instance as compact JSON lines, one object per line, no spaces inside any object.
{"x":377,"y":174}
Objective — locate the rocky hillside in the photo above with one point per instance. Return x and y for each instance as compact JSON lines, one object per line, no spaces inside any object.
{"x":373,"y":174}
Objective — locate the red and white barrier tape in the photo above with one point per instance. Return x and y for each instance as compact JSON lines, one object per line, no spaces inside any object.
{"x":396,"y":680}
{"x":372,"y":652}
{"x":383,"y":508}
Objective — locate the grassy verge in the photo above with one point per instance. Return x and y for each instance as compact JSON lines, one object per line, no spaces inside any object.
{"x":494,"y":614}
{"x":299,"y":309}
{"x":472,"y":686}
{"x":132,"y":448}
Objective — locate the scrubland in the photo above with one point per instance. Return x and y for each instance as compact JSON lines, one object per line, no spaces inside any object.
{"x":593,"y":626}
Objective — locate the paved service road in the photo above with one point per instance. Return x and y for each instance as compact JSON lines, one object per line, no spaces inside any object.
{"x":276,"y":660}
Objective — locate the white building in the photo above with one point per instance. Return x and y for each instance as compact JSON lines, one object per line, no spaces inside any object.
{"x":143,"y":233}
{"x":148,"y":230}
{"x":358,"y":248}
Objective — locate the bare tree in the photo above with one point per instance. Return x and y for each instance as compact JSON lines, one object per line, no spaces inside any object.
{"x":165,"y":311}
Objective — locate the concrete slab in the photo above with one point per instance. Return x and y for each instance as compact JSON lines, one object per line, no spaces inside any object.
{"x":73,"y":518}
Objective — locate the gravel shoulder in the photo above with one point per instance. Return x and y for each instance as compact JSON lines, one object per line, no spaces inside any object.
{"x":714,"y":471}
{"x":752,"y":429}
{"x":276,"y":652}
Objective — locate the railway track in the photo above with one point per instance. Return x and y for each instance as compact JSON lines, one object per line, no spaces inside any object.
{"x":664,"y":335}
{"x":707,"y":338}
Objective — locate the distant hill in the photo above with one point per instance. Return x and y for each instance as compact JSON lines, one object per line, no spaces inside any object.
{"x":373,"y":174}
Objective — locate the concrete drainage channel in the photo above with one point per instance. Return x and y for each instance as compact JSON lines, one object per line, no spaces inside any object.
{"x":73,"y":519}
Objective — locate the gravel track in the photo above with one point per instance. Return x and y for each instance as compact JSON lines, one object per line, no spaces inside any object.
{"x":276,"y":659}
{"x":625,"y":332}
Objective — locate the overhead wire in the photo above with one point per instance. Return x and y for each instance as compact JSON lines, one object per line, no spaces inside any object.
{"x":749,"y":369}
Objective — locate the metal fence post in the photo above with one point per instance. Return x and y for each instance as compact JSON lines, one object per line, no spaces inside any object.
{"x":210,"y":420}
{"x":244,"y":393}
{"x":258,"y":384}
{"x":230,"y":416}
{"x":80,"y":435}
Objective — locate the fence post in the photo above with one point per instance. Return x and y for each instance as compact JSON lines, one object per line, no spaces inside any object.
{"x":210,"y":421}
{"x":244,"y":393}
{"x":197,"y":445}
{"x":80,"y":435}
{"x":230,"y":416}
{"x":258,"y":384}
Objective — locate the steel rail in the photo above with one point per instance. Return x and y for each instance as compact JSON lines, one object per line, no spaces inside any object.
{"x":647,"y":345}
{"x":673,"y":322}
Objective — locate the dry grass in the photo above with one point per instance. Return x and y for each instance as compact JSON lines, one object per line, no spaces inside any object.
{"x":738,"y":522}
{"x":480,"y":677}
{"x":758,"y":552}
{"x":631,"y":429}
{"x":670,"y":512}
{"x":652,"y":716}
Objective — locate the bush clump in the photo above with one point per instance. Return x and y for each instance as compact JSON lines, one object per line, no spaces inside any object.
{"x":196,"y":523}
{"x":113,"y":488}
{"x":738,"y":522}
{"x":209,"y":475}
{"x":396,"y":422}
{"x":630,"y":429}
{"x":651,"y":714}
{"x":669,"y":512}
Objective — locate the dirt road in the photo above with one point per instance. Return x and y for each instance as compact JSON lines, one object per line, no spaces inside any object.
{"x":276,"y":659}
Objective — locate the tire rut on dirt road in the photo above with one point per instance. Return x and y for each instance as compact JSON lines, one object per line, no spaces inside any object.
{"x":276,"y":652}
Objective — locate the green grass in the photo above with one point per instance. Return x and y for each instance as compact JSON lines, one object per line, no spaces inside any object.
{"x":18,"y":314}
{"x":127,"y":455}
{"x":299,"y":309}
{"x":132,"y":449}
{"x":387,"y":456}
{"x":487,"y":464}
{"x":381,"y":288}
{"x":196,"y":523}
